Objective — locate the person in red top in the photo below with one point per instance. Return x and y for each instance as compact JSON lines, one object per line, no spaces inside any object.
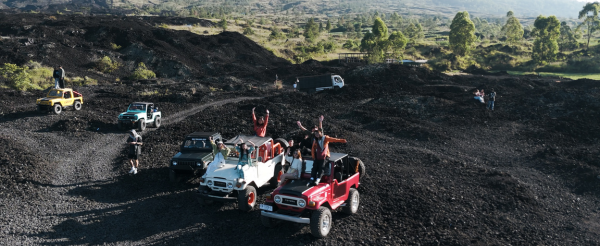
{"x":320,"y":154}
{"x":260,"y":125}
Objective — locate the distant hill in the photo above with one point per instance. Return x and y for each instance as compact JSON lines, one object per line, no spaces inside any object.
{"x":529,"y":8}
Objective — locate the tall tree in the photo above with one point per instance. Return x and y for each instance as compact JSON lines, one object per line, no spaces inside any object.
{"x":397,"y":42}
{"x":311,"y":30}
{"x":375,"y":42}
{"x":568,"y":37}
{"x":590,"y":15}
{"x":513,"y":28}
{"x":462,"y":33}
{"x":223,"y":24}
{"x":328,"y":26}
{"x":545,"y":47}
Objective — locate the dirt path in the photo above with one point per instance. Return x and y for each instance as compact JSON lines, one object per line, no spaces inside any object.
{"x":79,"y":165}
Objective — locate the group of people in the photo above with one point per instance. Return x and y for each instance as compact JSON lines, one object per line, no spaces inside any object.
{"x":480,"y":94}
{"x":317,"y":146}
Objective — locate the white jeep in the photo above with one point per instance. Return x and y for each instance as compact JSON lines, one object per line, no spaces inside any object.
{"x":221,"y":182}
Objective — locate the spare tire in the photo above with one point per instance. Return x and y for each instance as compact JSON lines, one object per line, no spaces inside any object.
{"x":361,"y":167}
{"x":282,"y":142}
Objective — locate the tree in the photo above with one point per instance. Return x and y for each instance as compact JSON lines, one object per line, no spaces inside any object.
{"x":248,"y":31}
{"x":513,"y":28}
{"x":568,"y":37}
{"x":276,"y":34}
{"x":380,"y":30}
{"x":311,"y":30}
{"x":414,"y":32}
{"x":462,"y":33}
{"x":545,"y":46}
{"x":375,"y":42}
{"x":397,"y":42}
{"x":223,"y":24}
{"x":590,"y":15}
{"x":328,"y":26}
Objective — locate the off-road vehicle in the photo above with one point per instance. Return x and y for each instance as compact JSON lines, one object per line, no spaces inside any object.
{"x":221,"y":183}
{"x":58,"y":99}
{"x":139,"y":115}
{"x":299,"y":201}
{"x":194,"y":154}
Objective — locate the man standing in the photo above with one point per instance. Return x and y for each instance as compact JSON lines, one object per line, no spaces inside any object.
{"x":492,"y":99}
{"x":135,"y":142}
{"x":320,"y":154}
{"x":59,"y":77}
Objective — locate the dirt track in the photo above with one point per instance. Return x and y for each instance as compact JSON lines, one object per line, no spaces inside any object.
{"x":442,"y":170}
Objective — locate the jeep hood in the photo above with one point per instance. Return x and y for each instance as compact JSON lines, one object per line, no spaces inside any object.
{"x":191,"y":155}
{"x":299,"y":187}
{"x":226,"y":171}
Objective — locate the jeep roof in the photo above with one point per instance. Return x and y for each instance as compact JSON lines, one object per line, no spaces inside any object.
{"x":258,"y":141}
{"x":202,"y":134}
{"x":141,"y":103}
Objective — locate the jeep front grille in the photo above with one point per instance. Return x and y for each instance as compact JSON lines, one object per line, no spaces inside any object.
{"x":186,"y":163}
{"x":220,"y":184}
{"x":288,"y":201}
{"x":128,"y":117}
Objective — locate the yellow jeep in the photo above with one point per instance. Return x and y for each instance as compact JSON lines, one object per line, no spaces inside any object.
{"x":58,"y":99}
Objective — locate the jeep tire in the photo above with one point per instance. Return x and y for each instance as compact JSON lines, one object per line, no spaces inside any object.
{"x":57,"y":109}
{"x":352,"y":202}
{"x":276,"y":175}
{"x":282,"y":142}
{"x":77,"y":105}
{"x":157,"y":122}
{"x":361,"y":167}
{"x":200,"y":200}
{"x":247,"y":198}
{"x":320,"y":222}
{"x":142,"y":124}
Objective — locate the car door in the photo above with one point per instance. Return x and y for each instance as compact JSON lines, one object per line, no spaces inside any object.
{"x":265,"y":168}
{"x":340,"y":189}
{"x":68,"y":98}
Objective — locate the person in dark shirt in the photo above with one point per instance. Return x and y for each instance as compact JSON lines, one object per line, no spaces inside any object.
{"x":134,"y":142}
{"x":492,"y":99}
{"x":59,"y":77}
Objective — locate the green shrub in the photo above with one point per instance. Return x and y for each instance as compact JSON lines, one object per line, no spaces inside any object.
{"x":141,"y":72}
{"x":17,"y":77}
{"x":115,"y":46}
{"x":106,"y":65}
{"x":78,"y":81}
{"x":248,"y":31}
{"x":41,"y":76}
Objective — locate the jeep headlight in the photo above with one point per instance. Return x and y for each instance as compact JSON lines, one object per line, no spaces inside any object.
{"x":301,"y":203}
{"x":199,"y":164}
{"x":230,"y":185}
{"x":174,"y":163}
{"x":277,"y":199}
{"x":209,"y":183}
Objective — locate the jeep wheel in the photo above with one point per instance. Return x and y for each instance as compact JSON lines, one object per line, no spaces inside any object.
{"x":157,"y":122}
{"x":352,"y":202}
{"x":57,"y":109}
{"x":121,"y":127}
{"x":267,"y":221}
{"x":320,"y":222}
{"x":276,"y":175}
{"x":247,"y":198}
{"x":200,"y":200}
{"x":77,"y":105}
{"x":361,"y":168}
{"x":282,"y":142}
{"x":173,"y":176}
{"x":142,"y":124}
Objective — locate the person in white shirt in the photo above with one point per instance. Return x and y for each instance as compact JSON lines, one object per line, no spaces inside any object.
{"x":293,"y":172}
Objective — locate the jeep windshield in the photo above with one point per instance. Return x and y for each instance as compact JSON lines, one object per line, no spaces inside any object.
{"x":202,"y":144}
{"x":137,"y":107}
{"x":55,"y":93}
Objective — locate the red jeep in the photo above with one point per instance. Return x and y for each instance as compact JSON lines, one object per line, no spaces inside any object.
{"x":299,"y":202}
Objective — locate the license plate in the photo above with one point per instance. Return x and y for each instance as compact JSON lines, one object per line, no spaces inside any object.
{"x":266,"y":207}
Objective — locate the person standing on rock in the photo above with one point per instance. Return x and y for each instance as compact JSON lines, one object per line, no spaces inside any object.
{"x":260,"y":125}
{"x":492,"y":99}
{"x":320,"y":154}
{"x":135,"y":142}
{"x":59,"y":77}
{"x":296,"y":84}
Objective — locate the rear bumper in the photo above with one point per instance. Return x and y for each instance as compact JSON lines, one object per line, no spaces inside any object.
{"x":207,"y":196}
{"x":285,"y":217}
